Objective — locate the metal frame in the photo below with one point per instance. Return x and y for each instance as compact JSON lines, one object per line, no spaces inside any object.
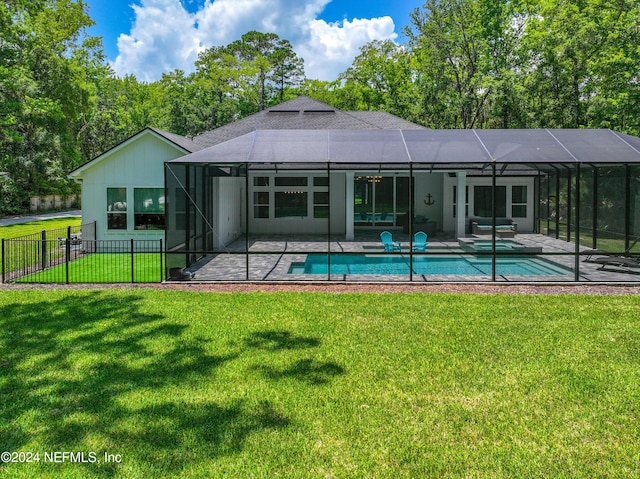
{"x":573,"y":180}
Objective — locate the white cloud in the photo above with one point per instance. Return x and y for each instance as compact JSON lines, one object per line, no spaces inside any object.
{"x":331,"y":47}
{"x":164,"y":36}
{"x":161,"y":40}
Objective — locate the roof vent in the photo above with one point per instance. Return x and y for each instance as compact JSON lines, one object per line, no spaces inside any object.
{"x":319,"y":111}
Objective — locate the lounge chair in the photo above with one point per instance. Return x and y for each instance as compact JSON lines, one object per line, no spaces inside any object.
{"x":388,"y":243}
{"x":505,"y":227}
{"x":620,"y":263}
{"x":420,"y":241}
{"x":590,"y":253}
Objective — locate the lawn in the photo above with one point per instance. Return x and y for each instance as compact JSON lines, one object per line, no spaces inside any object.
{"x":103,"y":268}
{"x":11,"y":231}
{"x":182,"y":384}
{"x":96,"y":268}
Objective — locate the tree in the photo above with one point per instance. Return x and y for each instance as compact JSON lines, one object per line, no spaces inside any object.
{"x":120,"y":108}
{"x":461,"y":47}
{"x":45,"y":90}
{"x":584,"y":61}
{"x":383,"y":75}
{"x":446,"y":43}
{"x":271,"y":63}
{"x":287,"y":68}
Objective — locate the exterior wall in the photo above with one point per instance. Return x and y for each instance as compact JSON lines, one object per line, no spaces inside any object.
{"x":524,"y":224}
{"x":136,"y":164}
{"x":425,"y":184}
{"x":295,"y":224}
{"x":429,"y":184}
{"x":228,"y":209}
{"x":337,"y":197}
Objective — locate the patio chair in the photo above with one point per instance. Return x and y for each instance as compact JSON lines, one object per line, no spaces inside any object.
{"x":388,"y":243}
{"x":420,"y":241}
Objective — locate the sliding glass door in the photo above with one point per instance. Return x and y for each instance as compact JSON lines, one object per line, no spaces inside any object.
{"x":380,"y":201}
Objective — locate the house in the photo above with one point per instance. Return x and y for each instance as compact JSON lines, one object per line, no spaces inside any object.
{"x":303,"y":167}
{"x":123,"y":188}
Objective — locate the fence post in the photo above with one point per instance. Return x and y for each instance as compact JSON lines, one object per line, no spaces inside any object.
{"x":44,"y":249}
{"x":3,"y":254}
{"x":161,"y":261}
{"x":132,"y":264}
{"x":67,"y":251}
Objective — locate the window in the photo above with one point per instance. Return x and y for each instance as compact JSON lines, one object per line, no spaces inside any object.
{"x":291,"y":204}
{"x":291,"y":181}
{"x":519,"y":201}
{"x":261,"y":204}
{"x":482,"y":201}
{"x":320,"y":181}
{"x":320,"y":204}
{"x":301,"y":197}
{"x":117,"y":208}
{"x":148,"y":208}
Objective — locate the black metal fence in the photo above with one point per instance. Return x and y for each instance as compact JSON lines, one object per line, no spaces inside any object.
{"x":73,"y":255}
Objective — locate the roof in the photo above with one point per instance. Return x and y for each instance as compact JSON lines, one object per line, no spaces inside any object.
{"x":304,"y":113}
{"x":185,"y":144}
{"x":182,"y":141}
{"x":422,"y":146}
{"x":301,"y":113}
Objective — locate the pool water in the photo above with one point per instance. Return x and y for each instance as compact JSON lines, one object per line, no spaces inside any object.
{"x":501,"y":245}
{"x":427,"y":265}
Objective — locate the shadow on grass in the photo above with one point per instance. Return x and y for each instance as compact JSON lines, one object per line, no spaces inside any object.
{"x":306,"y":370}
{"x":85,"y":369}
{"x":279,"y":340}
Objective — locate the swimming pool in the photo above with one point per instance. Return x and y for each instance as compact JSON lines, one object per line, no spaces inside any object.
{"x":427,"y":265}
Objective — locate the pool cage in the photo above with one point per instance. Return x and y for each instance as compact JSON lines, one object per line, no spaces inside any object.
{"x":287,"y":205}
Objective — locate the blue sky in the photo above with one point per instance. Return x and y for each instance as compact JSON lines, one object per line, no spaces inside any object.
{"x":149,"y":37}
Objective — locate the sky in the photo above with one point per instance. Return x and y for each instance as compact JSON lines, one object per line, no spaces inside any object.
{"x":149,"y":37}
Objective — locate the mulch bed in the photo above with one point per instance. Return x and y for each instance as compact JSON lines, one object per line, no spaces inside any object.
{"x":591,"y":289}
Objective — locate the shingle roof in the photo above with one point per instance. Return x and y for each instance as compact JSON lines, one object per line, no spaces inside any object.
{"x":179,"y":140}
{"x":384,"y":120}
{"x":304,"y":113}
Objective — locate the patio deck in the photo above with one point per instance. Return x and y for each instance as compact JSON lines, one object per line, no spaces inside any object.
{"x":271,"y":257}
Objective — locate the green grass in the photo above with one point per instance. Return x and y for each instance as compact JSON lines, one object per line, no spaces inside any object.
{"x":103,"y":268}
{"x":11,"y":231}
{"x":320,"y":385}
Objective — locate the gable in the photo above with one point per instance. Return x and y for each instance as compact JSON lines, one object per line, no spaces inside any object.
{"x":167,"y":145}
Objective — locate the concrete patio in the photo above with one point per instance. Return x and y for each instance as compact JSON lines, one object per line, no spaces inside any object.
{"x":271,"y":258}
